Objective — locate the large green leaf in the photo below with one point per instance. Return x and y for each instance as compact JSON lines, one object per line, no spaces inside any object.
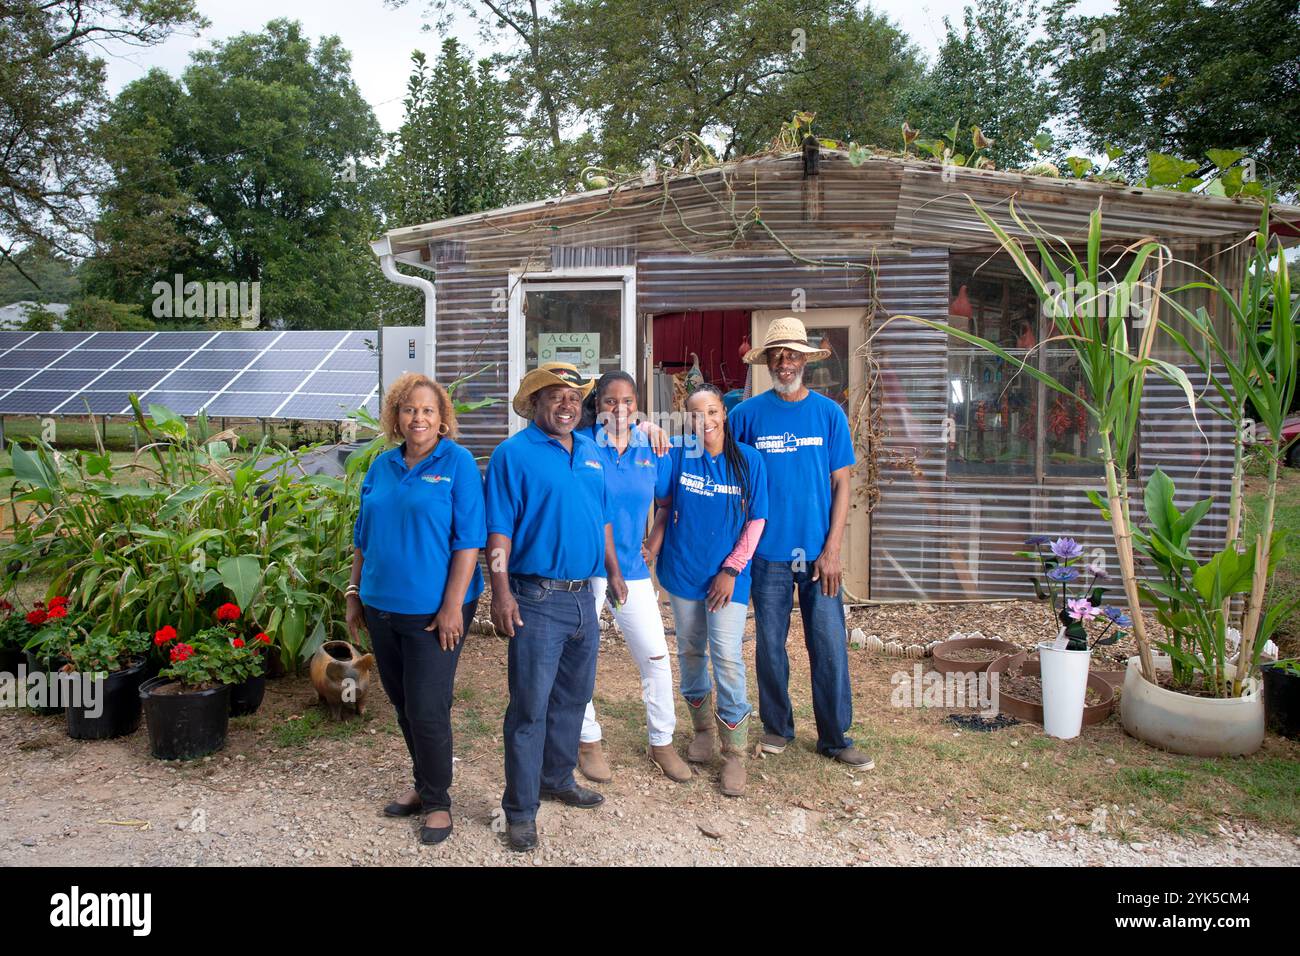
{"x":241,"y":575}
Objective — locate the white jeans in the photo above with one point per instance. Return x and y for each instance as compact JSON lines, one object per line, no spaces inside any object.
{"x":642,"y":627}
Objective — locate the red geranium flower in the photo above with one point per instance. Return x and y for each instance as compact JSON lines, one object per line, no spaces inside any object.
{"x":58,"y":602}
{"x":263,"y":637}
{"x":182,"y":652}
{"x":164,"y":635}
{"x":57,"y":610}
{"x":237,"y":642}
{"x":37,"y":616}
{"x":6,"y":606}
{"x":227,"y":612}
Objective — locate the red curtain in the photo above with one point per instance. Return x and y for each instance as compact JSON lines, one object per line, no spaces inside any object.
{"x":715,"y":336}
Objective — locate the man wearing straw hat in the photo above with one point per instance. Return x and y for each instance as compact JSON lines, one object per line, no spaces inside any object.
{"x":548,"y":534}
{"x":805,"y":442}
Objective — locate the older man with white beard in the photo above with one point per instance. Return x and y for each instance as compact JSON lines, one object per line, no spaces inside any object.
{"x":805,"y":442}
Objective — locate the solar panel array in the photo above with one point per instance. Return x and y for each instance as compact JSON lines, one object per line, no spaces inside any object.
{"x":303,"y":375}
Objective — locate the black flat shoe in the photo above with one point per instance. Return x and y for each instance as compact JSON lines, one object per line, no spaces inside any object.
{"x":579,"y":797}
{"x":431,"y":836}
{"x":396,"y":809}
{"x":523,"y":836}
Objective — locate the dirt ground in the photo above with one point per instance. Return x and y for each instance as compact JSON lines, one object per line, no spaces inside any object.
{"x":293,"y":788}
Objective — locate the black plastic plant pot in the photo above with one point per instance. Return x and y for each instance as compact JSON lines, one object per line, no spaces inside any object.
{"x":245,"y":698}
{"x":1281,"y":701}
{"x":10,"y":658}
{"x":118,"y":703}
{"x":36,"y":666}
{"x":186,"y":725}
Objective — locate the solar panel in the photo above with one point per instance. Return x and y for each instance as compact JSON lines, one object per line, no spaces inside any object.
{"x":228,"y":359}
{"x":320,"y":406}
{"x":352,"y":362}
{"x":33,"y":358}
{"x":129,"y":379}
{"x":68,"y":380}
{"x":245,"y":404}
{"x":309,"y":374}
{"x":182,"y":403}
{"x":166,"y":359}
{"x":31,"y":403}
{"x":331,"y":382}
{"x":196,"y":380}
{"x":101,"y":403}
{"x":282,"y":383}
{"x":278,"y":359}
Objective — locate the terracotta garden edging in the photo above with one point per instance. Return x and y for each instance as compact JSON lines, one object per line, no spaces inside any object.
{"x":941,"y":662}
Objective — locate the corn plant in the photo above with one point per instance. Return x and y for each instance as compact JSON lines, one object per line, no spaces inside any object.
{"x":1254,"y":363}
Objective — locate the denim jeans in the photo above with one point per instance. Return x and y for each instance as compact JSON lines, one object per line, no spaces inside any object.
{"x":418,"y":677}
{"x":823,"y":633}
{"x":703,"y":636}
{"x":552,"y":673}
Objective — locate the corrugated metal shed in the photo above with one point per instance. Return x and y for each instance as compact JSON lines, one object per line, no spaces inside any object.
{"x":878,"y":236}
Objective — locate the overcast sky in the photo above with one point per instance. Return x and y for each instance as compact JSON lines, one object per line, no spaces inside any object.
{"x":381,"y":39}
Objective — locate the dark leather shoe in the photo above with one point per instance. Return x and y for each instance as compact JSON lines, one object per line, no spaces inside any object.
{"x":523,"y":836}
{"x":396,"y":809}
{"x":579,"y":797}
{"x":431,"y":836}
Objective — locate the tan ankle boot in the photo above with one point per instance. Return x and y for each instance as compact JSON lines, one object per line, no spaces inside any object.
{"x":734,"y":745}
{"x":701,"y":748}
{"x":592,"y":764}
{"x":673,"y":766}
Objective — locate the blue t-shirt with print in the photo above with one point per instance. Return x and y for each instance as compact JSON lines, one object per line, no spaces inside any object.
{"x":801,"y":443}
{"x":411,"y":520}
{"x":705,"y":518}
{"x":630,"y":487}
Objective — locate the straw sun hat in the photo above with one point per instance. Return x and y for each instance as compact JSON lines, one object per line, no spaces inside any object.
{"x":546,"y":374}
{"x":786,"y":333}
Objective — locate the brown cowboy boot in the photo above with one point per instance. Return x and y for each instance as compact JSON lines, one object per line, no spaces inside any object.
{"x":667,"y":760}
{"x":735,"y":742}
{"x":701,"y":748}
{"x":592,"y":763}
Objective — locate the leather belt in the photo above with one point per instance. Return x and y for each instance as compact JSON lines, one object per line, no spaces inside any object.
{"x":555,"y":584}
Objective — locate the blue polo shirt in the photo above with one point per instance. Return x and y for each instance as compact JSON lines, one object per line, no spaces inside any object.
{"x":705,"y":522}
{"x":410,"y":522}
{"x":630,"y":487}
{"x":801,"y":443}
{"x":550,"y":504}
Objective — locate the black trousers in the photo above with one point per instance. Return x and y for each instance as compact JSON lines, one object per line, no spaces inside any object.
{"x":419,"y":677}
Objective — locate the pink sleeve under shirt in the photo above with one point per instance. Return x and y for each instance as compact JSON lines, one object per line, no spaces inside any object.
{"x":746,"y":546}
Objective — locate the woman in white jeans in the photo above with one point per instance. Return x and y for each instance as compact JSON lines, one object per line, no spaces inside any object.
{"x":631,"y":468}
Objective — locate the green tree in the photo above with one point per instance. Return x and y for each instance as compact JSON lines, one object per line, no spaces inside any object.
{"x":45,"y":276}
{"x":1182,"y":77}
{"x":51,"y":98}
{"x":991,"y":75}
{"x":265,"y":143}
{"x":93,"y":314}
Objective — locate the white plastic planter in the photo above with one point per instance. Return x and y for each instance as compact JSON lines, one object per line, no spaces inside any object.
{"x":1065,"y":682}
{"x":1200,"y":726}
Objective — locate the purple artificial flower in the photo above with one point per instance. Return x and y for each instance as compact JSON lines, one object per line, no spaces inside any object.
{"x":1062,"y":574}
{"x":1117,"y":616}
{"x":1082,"y":609}
{"x":1067,"y":549}
{"x":1036,"y":540}
{"x":1097,"y":571}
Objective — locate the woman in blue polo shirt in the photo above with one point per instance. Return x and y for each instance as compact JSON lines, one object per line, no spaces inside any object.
{"x":631,"y":469}
{"x":712,"y":498}
{"x":416,"y":581}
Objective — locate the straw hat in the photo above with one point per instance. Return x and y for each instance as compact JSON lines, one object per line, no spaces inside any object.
{"x":786,"y":333}
{"x":546,"y":374}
